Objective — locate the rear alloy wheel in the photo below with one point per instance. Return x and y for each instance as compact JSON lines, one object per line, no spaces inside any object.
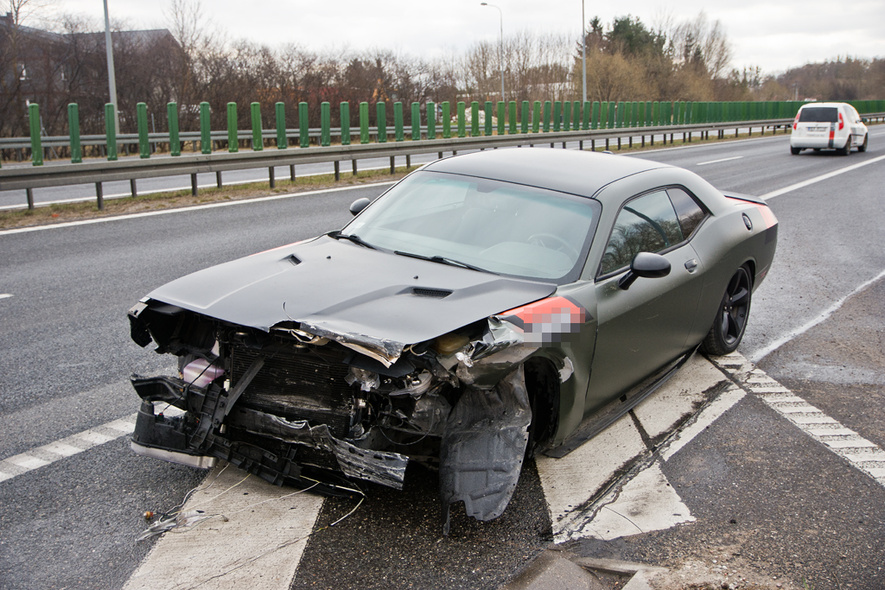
{"x":847,"y":149}
{"x":731,"y":319}
{"x":863,"y":147}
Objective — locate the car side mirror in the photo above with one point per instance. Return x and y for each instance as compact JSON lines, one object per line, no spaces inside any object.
{"x":358,"y":205}
{"x":646,"y":265}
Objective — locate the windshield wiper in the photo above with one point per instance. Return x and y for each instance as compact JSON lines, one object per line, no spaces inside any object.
{"x":352,"y":237}
{"x":440,"y":260}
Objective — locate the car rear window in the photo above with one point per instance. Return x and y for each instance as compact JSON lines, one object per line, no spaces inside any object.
{"x":819,"y":115}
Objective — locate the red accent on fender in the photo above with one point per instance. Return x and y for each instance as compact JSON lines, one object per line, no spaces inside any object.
{"x":543,"y":311}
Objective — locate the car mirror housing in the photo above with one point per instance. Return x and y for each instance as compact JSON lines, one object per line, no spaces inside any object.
{"x":358,"y":205}
{"x":647,"y":265}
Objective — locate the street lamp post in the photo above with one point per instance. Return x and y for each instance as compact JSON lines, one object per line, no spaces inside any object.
{"x":112,"y":83}
{"x":500,"y":45}
{"x":584,"y":51}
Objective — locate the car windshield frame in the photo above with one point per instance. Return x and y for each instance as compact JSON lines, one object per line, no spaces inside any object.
{"x":483,"y":224}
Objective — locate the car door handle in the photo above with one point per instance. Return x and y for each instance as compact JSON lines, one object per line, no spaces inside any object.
{"x":691,"y":265}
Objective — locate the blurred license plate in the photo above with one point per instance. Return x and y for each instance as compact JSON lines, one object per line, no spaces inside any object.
{"x":818,"y":129}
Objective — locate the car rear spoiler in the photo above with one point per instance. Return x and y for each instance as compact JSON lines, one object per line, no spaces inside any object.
{"x":743,"y":197}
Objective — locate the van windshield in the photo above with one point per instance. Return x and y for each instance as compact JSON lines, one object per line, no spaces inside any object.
{"x":819,"y":115}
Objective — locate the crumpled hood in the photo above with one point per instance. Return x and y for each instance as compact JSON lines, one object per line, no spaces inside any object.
{"x":347,"y":290}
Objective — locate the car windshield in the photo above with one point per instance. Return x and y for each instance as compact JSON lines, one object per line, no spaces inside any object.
{"x":819,"y":115}
{"x":483,"y":224}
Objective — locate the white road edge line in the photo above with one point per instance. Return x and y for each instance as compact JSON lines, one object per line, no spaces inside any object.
{"x":822,"y":177}
{"x":719,"y":161}
{"x":760,"y":354}
{"x":21,"y":230}
{"x":76,"y":443}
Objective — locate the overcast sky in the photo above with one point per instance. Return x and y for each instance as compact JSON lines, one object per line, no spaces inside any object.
{"x":773,"y":35}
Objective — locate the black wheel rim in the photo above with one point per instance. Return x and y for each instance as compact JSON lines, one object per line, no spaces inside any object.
{"x":735,"y":308}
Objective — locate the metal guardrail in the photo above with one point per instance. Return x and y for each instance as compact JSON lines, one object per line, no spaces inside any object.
{"x":132,"y":169}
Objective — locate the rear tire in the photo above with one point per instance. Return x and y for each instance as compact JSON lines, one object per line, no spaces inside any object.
{"x":863,"y":147}
{"x":731,"y":319}
{"x":795,"y":151}
{"x":847,"y":149}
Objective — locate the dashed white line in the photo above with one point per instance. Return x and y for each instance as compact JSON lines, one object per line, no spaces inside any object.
{"x":861,"y":453}
{"x":719,"y":161}
{"x":5,"y":295}
{"x":66,"y":447}
{"x":822,"y":177}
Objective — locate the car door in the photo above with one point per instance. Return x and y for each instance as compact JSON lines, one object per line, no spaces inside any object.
{"x":646,"y":326}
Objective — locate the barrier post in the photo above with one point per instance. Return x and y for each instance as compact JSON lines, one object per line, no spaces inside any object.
{"x":398,"y":133}
{"x":205,"y":129}
{"x":364,"y":122}
{"x":416,"y":121}
{"x":524,"y":117}
{"x":511,"y":107}
{"x":536,"y":116}
{"x":557,"y":115}
{"x":303,"y":125}
{"x":502,"y":117}
{"x":567,"y":116}
{"x":74,"y":130}
{"x":325,"y":124}
{"x":280,"y":117}
{"x":345,"y":123}
{"x":257,"y":139}
{"x":36,"y":141}
{"x":110,"y":132}
{"x":546,"y":116}
{"x":462,"y":119}
{"x":431,"y":120}
{"x":233,"y":142}
{"x":144,"y":147}
{"x":474,"y":119}
{"x":488,"y":118}
{"x":447,"y":120}
{"x":381,"y":112}
{"x":174,"y":138}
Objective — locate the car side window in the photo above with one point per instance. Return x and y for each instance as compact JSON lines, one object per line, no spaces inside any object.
{"x":689,"y":212}
{"x":645,"y":224}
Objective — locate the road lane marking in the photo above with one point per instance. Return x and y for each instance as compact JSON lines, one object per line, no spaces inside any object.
{"x":66,"y":447}
{"x":719,"y":161}
{"x":20,"y":230}
{"x":860,"y":453}
{"x":5,"y":295}
{"x":816,"y":179}
{"x":255,"y":538}
{"x":825,"y":314}
{"x":590,"y":490}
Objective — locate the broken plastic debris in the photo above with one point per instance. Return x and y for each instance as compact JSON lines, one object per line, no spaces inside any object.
{"x":180,"y":520}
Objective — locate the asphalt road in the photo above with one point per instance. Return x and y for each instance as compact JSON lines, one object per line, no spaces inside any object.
{"x":800,"y":513}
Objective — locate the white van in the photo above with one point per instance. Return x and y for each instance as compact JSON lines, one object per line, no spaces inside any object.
{"x":828,"y":125}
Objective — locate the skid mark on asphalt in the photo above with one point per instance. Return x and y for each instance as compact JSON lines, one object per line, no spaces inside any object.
{"x":66,"y":447}
{"x":637,"y":497}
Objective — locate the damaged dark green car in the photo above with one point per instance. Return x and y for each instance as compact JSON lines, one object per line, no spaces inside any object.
{"x":486,"y":307}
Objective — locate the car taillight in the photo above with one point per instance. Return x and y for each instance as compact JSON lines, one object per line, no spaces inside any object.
{"x":841,"y":122}
{"x":796,"y":122}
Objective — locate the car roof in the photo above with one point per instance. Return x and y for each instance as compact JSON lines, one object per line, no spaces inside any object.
{"x":569,"y":171}
{"x":823,"y":104}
